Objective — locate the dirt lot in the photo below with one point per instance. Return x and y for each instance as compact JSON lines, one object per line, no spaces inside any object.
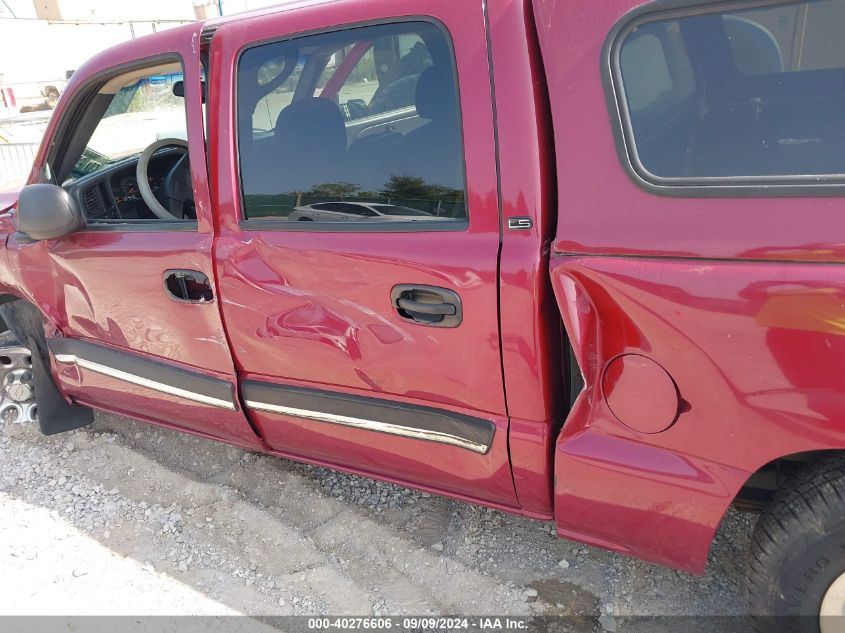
{"x":127,"y":518}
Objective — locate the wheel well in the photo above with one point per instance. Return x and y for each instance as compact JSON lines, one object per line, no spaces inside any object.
{"x":4,"y":299}
{"x":768,"y":479}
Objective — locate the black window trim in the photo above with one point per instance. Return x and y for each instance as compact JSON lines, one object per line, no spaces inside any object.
{"x":810,"y":185}
{"x":263,"y":224}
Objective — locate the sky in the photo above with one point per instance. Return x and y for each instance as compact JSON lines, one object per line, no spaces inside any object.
{"x":111,"y":10}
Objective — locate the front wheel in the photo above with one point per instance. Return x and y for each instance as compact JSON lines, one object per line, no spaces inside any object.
{"x":17,"y":385}
{"x":796,"y":576}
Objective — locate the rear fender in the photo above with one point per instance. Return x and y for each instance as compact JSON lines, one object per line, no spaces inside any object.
{"x":648,"y":462}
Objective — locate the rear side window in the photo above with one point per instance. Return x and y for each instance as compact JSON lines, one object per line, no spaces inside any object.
{"x":383,"y":75}
{"x":742,"y":96}
{"x":336,"y":126}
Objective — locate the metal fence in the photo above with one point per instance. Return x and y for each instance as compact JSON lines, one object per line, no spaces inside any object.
{"x":15,"y":161}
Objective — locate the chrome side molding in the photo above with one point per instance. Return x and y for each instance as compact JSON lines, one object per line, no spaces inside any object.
{"x":371,"y":414}
{"x":145,"y":373}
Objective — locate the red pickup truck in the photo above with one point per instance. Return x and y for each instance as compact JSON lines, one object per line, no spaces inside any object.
{"x":572,"y":260}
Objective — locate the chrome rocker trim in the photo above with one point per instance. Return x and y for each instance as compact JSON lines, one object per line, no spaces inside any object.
{"x":370,"y":413}
{"x":144,"y":373}
{"x":370,"y":425}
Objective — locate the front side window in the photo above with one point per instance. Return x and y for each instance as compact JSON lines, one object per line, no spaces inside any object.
{"x":129,"y":162}
{"x":756,"y":93}
{"x":356,"y":126}
{"x":138,"y":114}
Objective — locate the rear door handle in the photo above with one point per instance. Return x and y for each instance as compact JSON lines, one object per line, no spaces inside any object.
{"x":427,"y":305}
{"x":188,"y":286}
{"x":420,"y":307}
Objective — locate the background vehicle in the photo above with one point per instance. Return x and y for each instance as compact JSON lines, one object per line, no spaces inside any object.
{"x":625,"y":312}
{"x":356,"y":211}
{"x":33,"y":96}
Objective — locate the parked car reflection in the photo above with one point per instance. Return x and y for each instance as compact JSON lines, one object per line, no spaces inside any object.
{"x":358,"y":212}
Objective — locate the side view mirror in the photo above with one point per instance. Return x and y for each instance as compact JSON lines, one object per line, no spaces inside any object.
{"x":46,"y":212}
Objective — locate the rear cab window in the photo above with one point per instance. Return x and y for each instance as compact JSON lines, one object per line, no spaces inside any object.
{"x":354,"y":127}
{"x":744,"y":97}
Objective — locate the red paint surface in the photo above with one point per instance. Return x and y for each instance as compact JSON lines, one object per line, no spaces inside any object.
{"x":754,"y":347}
{"x":108,"y":286}
{"x":444,"y":467}
{"x":601,"y":210}
{"x":755,"y":350}
{"x":530,"y":323}
{"x":640,"y":393}
{"x":88,"y":286}
{"x":7,"y":200}
{"x":128,"y":399}
{"x":314,"y":309}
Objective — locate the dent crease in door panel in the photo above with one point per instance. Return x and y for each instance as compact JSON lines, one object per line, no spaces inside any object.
{"x":312,"y":308}
{"x":107,"y":286}
{"x":327,"y":298}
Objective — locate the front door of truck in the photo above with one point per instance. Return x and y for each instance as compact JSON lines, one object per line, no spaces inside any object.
{"x":359,"y":235}
{"x":133,"y":294}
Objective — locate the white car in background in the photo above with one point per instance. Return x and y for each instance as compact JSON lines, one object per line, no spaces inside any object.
{"x":358,"y":212}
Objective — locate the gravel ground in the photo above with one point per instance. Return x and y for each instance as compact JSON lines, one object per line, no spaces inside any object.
{"x":128,"y":518}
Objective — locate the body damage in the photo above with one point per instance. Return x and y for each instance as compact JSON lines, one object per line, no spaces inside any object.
{"x":754,"y":350}
{"x":7,"y":200}
{"x":738,"y":299}
{"x":717,"y":366}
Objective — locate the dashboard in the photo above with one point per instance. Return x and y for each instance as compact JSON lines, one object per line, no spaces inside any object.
{"x":112,"y":193}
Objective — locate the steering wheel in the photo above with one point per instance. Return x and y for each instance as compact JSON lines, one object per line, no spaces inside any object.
{"x":177,"y":187}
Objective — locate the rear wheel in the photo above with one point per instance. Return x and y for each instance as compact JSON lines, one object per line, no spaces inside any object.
{"x":797,"y":566}
{"x":17,"y":387}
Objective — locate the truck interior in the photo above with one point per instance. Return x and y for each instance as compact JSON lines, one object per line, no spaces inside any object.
{"x":361,"y":106}
{"x":733,"y":82}
{"x":115,"y":126}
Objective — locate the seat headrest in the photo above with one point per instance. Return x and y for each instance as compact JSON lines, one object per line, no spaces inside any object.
{"x":313,"y":122}
{"x":435,"y":95}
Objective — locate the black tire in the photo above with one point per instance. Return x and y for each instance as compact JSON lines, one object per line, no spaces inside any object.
{"x":55,"y":413}
{"x":798,"y":550}
{"x":8,"y":338}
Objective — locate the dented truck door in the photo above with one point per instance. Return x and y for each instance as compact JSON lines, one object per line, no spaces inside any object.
{"x":130,"y":300}
{"x":355,"y":183}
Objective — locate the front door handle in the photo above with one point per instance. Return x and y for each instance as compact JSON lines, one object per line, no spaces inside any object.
{"x":427,"y":305}
{"x":188,"y":286}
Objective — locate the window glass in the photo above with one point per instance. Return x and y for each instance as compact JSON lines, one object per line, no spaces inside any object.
{"x":383,"y":79}
{"x":758,"y":92}
{"x":360,"y":125}
{"x":652,"y":85}
{"x":139,"y":114}
{"x":130,"y":113}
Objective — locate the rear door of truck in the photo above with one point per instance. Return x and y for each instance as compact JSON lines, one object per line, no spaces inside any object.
{"x":367,"y":340}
